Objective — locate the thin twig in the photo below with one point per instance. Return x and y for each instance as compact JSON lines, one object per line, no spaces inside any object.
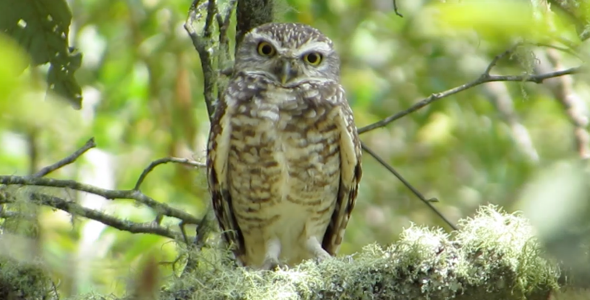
{"x":68,"y":160}
{"x":160,"y":208}
{"x":562,"y":49}
{"x":428,"y":202}
{"x":497,"y":58}
{"x":396,"y":10}
{"x":155,"y":163}
{"x":539,"y":78}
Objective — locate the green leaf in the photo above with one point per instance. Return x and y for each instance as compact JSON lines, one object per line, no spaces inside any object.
{"x":14,"y":61}
{"x":502,"y":21}
{"x":42,"y":27}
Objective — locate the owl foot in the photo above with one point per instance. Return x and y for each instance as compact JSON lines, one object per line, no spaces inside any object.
{"x":271,"y":258}
{"x":271,"y":264}
{"x":315,"y":248}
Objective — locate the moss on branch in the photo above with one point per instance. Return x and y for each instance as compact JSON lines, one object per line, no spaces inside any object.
{"x":492,"y":256}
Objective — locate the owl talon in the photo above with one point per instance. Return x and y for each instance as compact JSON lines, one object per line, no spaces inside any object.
{"x":271,"y":265}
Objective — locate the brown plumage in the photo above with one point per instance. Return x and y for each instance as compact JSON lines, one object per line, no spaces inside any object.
{"x":284,"y":158}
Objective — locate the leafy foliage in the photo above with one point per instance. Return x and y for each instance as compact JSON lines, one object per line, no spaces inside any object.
{"x":41,"y":27}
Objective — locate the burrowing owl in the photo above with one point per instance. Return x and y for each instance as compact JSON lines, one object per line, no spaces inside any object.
{"x":284,"y":157}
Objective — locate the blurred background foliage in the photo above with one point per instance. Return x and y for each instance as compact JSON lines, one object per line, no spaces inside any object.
{"x":142,"y":100}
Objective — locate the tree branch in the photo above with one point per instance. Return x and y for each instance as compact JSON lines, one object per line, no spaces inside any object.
{"x":395,"y":9}
{"x":492,"y":256}
{"x":77,"y":210}
{"x":109,"y":194}
{"x":428,"y":202}
{"x":485,"y":77}
{"x":203,"y":47}
{"x":252,"y":13}
{"x":155,"y":163}
{"x":68,"y":160}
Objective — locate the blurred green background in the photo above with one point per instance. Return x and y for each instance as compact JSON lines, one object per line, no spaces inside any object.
{"x":142,"y":100}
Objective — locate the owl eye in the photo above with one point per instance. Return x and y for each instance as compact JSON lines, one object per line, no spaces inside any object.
{"x":313,"y":58}
{"x":266,"y":49}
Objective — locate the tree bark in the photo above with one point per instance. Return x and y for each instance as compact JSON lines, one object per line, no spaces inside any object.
{"x":252,"y":13}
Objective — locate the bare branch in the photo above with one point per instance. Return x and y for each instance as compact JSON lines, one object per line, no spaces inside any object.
{"x":68,"y":160}
{"x":224,"y":61}
{"x":211,"y":11}
{"x":223,"y":20}
{"x":77,"y":210}
{"x":155,"y":163}
{"x":160,"y":208}
{"x":539,"y":78}
{"x":497,"y":58}
{"x":562,"y":49}
{"x":203,"y":47}
{"x":428,"y":202}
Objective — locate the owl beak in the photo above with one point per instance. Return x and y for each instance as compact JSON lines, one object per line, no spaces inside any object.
{"x":287,"y":72}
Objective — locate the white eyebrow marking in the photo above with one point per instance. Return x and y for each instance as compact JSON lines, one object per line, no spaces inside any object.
{"x":319,"y":46}
{"x":258,"y":36}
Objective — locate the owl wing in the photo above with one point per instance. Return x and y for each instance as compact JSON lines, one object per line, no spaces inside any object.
{"x":217,"y":172}
{"x":350,"y":174}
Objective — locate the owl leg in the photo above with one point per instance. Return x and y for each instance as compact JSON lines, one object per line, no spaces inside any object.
{"x":315,"y":248}
{"x":271,"y":257}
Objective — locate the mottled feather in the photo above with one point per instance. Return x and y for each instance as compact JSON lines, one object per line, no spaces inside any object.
{"x":284,"y":158}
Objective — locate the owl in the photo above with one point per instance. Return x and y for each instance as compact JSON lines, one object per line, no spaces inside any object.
{"x":283,"y":155}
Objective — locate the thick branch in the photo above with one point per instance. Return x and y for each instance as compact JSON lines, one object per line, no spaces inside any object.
{"x":203,"y":47}
{"x":539,"y":78}
{"x":160,"y":208}
{"x":252,"y":13}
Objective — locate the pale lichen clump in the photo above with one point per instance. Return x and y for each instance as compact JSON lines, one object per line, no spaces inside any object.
{"x":504,"y":246}
{"x":25,"y":280}
{"x":493,"y":256}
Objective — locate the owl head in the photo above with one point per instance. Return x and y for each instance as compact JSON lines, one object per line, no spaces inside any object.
{"x":288,"y":54}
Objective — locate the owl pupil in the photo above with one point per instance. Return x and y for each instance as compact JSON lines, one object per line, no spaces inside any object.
{"x":266,"y":49}
{"x":312,"y":58}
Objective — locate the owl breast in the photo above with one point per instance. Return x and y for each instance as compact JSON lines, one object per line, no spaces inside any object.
{"x":284,"y":170}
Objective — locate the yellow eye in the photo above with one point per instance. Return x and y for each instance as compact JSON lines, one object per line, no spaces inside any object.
{"x":313,"y":58}
{"x":266,"y":49}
